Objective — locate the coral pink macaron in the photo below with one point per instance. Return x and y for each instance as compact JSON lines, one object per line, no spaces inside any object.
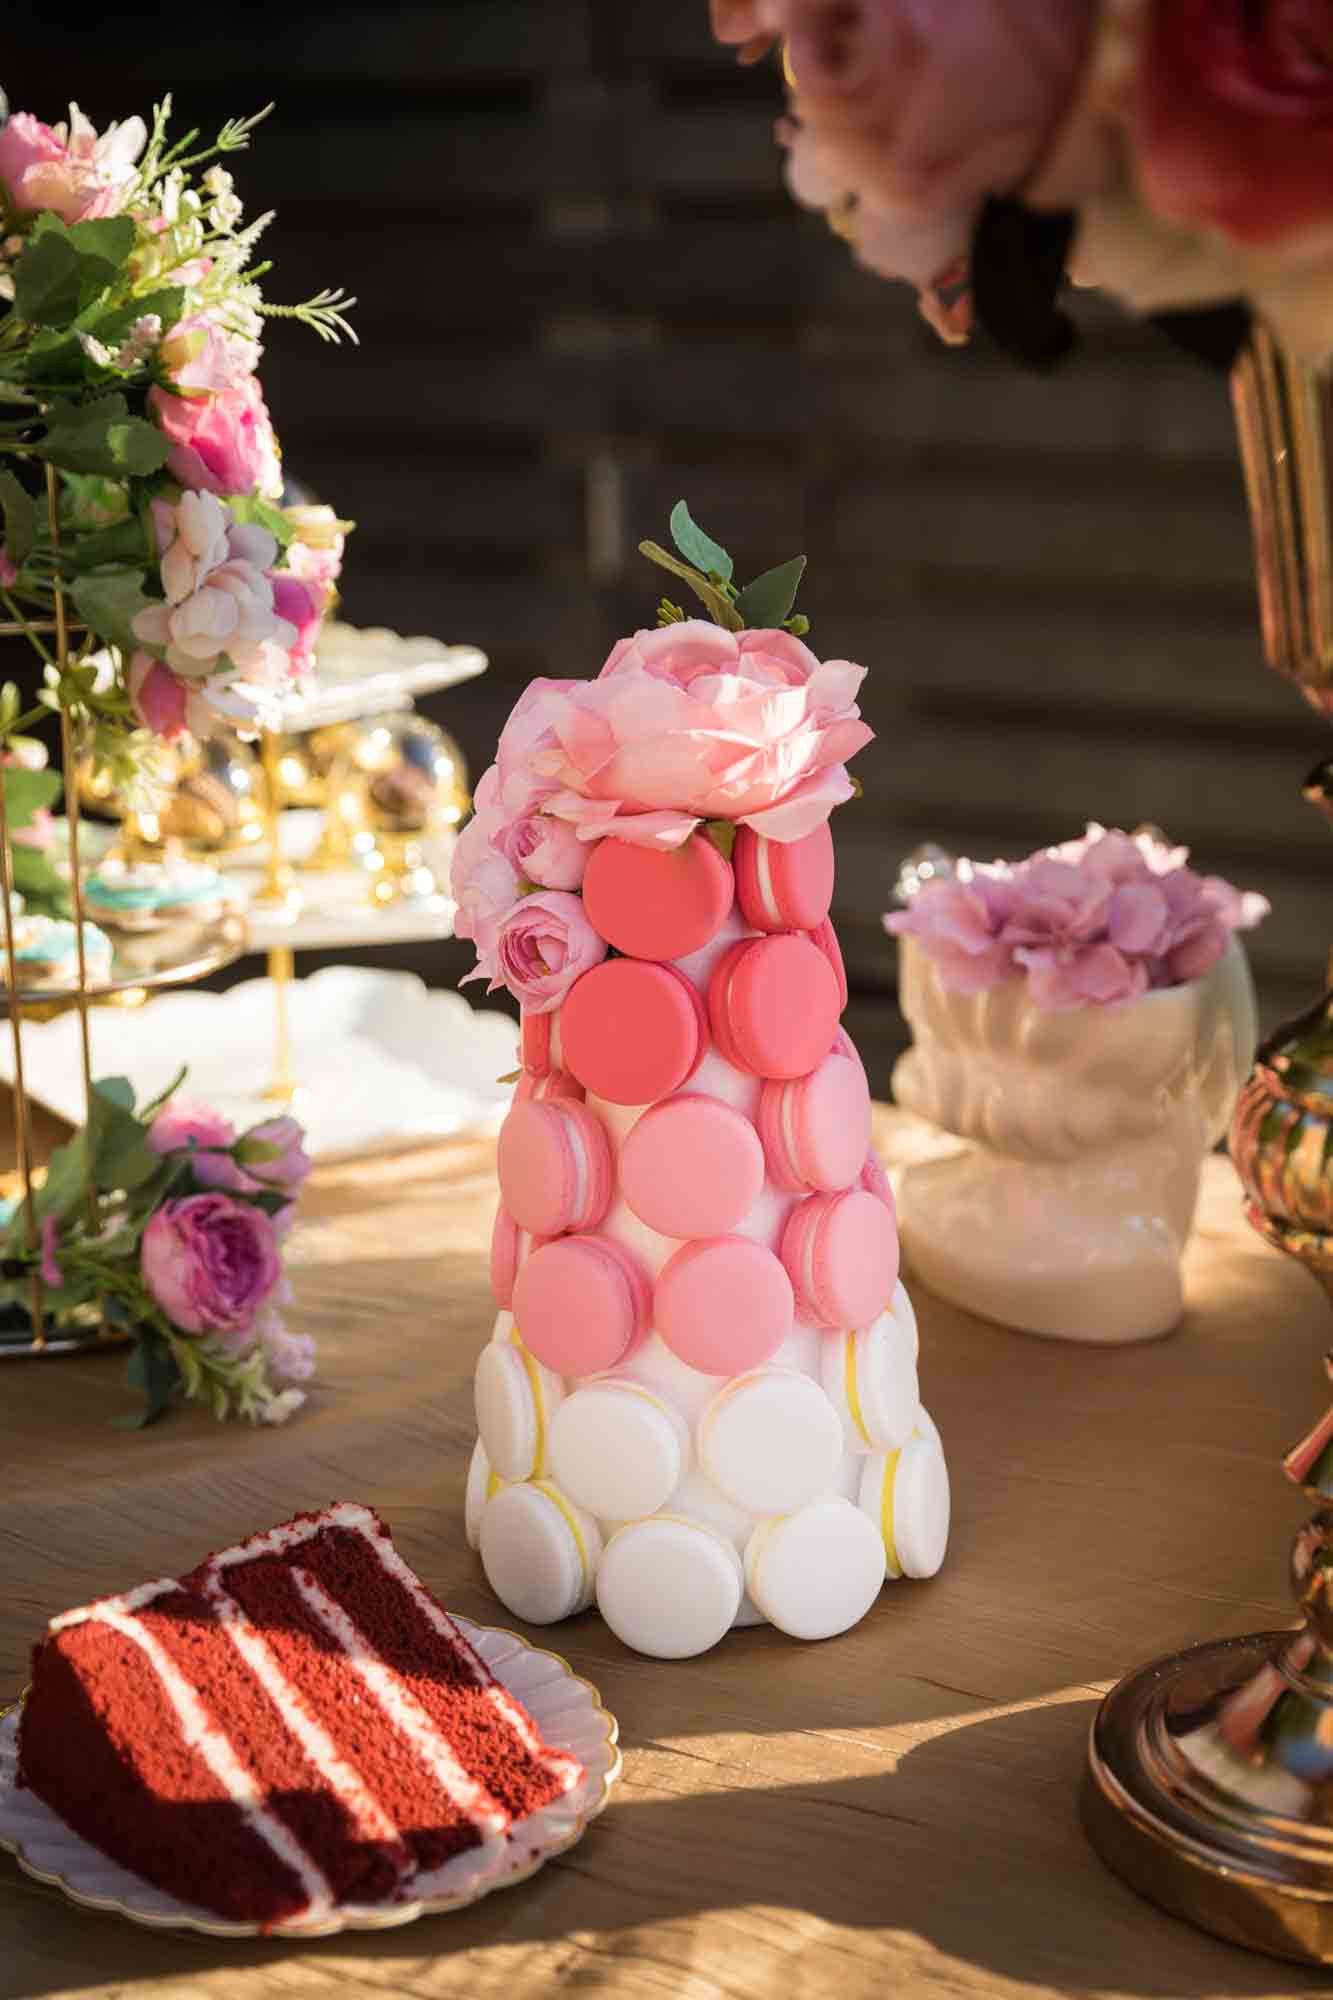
{"x":632,"y":1031}
{"x":510,"y":1249}
{"x":534,"y":1042}
{"x":554,"y":1162}
{"x":582,"y":1304}
{"x":723,"y":1304}
{"x":841,"y":1254}
{"x":816,"y":1128}
{"x":773,"y":1003}
{"x":555,"y":1083}
{"x":825,"y":939}
{"x":784,"y":885}
{"x":691,"y":1166}
{"x":652,"y":902}
{"x":875,"y":1181}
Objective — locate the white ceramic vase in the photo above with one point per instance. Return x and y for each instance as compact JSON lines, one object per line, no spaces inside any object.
{"x":1066,"y":1208}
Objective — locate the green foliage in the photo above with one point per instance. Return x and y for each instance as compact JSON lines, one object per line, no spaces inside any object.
{"x":152,"y":1369}
{"x":698,"y":548}
{"x":20,"y":511}
{"x":39,"y":882}
{"x":669,"y":613}
{"x":26,"y":791}
{"x":65,"y":267}
{"x":769,"y":599}
{"x":101,"y":436}
{"x":109,"y":602}
{"x":715,"y":602}
{"x":254,"y":512}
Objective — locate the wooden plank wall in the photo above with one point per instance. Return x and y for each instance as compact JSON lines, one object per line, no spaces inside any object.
{"x":584,"y":293}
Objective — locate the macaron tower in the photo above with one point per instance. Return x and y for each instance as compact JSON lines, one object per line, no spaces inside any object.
{"x":699,"y":1408}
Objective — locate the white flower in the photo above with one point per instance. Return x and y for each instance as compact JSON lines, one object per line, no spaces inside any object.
{"x":142,"y":339}
{"x":281,"y":1407}
{"x":219,"y":610}
{"x":96,"y":350}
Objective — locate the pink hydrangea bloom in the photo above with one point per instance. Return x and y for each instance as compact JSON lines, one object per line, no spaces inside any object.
{"x":222,"y":443}
{"x":68,"y":169}
{"x":544,"y":945}
{"x":1095,"y":921}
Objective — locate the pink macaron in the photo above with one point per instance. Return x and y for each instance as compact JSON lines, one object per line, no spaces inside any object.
{"x":555,"y":1083}
{"x":875,"y":1181}
{"x":825,"y":938}
{"x":773,"y":1004}
{"x":510,"y":1249}
{"x":653,"y":902}
{"x":691,"y":1166}
{"x":784,"y":885}
{"x":582,"y":1304}
{"x":554,"y":1162}
{"x":632,"y":1031}
{"x":841,"y":1254}
{"x":534,"y":1041}
{"x":816,"y":1128}
{"x":723,"y":1304}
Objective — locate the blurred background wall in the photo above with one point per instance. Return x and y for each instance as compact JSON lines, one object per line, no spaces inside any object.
{"x":584,"y":293}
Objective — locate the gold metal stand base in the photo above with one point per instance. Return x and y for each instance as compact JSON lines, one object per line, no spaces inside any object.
{"x":1207,"y":1791}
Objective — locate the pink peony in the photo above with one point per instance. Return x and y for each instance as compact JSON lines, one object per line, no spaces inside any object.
{"x":68,"y":169}
{"x":544,"y":850}
{"x":910,"y":115}
{"x":211,"y":1263}
{"x":544,"y":945}
{"x":186,"y":1123}
{"x":222,"y":443}
{"x":692,"y":722}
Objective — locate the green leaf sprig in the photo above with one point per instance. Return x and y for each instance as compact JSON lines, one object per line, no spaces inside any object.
{"x":705,"y":566}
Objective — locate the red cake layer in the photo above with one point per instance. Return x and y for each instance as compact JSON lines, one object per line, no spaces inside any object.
{"x":295,"y":1724}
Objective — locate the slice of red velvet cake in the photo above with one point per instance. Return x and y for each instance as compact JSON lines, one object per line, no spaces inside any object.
{"x":294,"y":1726}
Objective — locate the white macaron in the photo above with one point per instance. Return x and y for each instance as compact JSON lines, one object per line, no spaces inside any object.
{"x":818,"y":1571}
{"x":618,"y":1449}
{"x":770,"y":1440}
{"x":669,"y":1587}
{"x":516,"y":1399}
{"x":483,"y":1483}
{"x":540,"y":1552}
{"x":906,"y":1494}
{"x":870,"y":1377}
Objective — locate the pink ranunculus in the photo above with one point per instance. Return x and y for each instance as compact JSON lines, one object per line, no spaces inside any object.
{"x":544,"y":850}
{"x":545,"y":944}
{"x":69,"y":170}
{"x":211,"y":1263}
{"x":706,"y":724}
{"x":1234,"y":125}
{"x":530,"y":730}
{"x":221,"y":444}
{"x":187,"y":1123}
{"x":914,"y":114}
{"x":203,"y":356}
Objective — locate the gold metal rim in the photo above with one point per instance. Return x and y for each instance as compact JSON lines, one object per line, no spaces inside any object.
{"x":368,"y":1918}
{"x":1170,"y":1851}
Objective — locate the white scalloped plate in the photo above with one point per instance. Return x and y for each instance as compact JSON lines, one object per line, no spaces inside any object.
{"x":567,"y":1710}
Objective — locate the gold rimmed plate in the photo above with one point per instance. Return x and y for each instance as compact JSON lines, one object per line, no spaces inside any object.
{"x":567,"y":1710}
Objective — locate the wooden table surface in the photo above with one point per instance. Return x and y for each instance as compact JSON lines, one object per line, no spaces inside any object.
{"x":889,"y":1812}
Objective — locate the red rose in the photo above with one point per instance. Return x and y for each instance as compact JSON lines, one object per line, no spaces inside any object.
{"x":1235,"y":118}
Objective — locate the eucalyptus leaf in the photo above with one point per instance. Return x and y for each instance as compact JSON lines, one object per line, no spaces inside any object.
{"x":20,"y":511}
{"x":764,"y":603}
{"x":154,"y":1104}
{"x":720,"y":608}
{"x":109,"y":602}
{"x":697,"y":547}
{"x":117,"y":1090}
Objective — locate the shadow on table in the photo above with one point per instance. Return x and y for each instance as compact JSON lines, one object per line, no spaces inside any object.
{"x":933,"y":1856}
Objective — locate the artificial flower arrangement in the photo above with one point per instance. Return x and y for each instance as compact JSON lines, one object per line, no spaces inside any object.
{"x":695,"y":723}
{"x":1177,"y":152}
{"x":164,"y":1223}
{"x":140,"y":478}
{"x":1098,"y":921}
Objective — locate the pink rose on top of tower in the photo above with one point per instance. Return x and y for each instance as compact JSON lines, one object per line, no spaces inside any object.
{"x":222,"y":443}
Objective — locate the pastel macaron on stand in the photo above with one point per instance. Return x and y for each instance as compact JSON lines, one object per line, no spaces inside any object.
{"x":700,"y":1408}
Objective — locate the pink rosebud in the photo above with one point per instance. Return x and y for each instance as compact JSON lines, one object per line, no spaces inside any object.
{"x":544,"y":850}
{"x":302,"y":605}
{"x":159,"y":698}
{"x":210,"y":1263}
{"x":186,"y":1123}
{"x":273,"y":1154}
{"x":52,"y":1275}
{"x":544,"y":945}
{"x":8,"y":570}
{"x":221,"y":444}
